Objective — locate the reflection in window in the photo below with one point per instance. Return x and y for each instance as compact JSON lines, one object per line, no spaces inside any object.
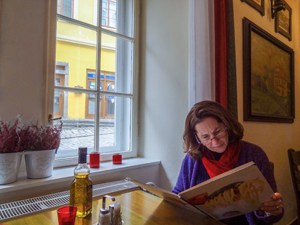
{"x":65,"y":7}
{"x":109,"y":13}
{"x":56,"y":101}
{"x":107,"y":102}
{"x":110,"y":100}
{"x":91,"y":108}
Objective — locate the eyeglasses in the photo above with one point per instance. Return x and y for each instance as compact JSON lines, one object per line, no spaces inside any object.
{"x":217,"y":134}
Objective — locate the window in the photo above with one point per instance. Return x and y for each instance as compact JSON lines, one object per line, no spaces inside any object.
{"x":107,"y":83}
{"x":65,"y":7}
{"x":94,"y":81}
{"x":109,"y":13}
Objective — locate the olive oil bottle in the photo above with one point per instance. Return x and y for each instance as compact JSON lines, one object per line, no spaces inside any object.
{"x":81,"y":190}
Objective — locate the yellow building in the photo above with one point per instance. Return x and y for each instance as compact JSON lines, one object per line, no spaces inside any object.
{"x":76,"y":54}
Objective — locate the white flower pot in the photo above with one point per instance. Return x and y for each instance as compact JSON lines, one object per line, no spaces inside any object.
{"x":9,"y":167}
{"x":39,"y":164}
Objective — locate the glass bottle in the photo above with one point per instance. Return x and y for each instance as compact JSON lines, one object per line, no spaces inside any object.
{"x":81,"y":190}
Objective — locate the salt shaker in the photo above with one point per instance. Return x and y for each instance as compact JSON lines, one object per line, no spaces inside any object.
{"x":105,"y":213}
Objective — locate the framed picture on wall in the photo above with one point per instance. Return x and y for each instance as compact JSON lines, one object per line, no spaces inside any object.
{"x":259,"y":5}
{"x":283,"y":22}
{"x":268,"y":77}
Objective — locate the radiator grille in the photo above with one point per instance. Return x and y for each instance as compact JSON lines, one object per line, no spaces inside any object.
{"x":37,"y":204}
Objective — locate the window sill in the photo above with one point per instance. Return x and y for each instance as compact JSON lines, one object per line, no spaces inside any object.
{"x":65,"y":174}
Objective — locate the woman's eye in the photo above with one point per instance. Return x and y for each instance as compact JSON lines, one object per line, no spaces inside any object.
{"x":217,"y":132}
{"x":205,"y":137}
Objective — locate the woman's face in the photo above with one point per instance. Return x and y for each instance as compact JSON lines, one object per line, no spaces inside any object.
{"x":212,"y":134}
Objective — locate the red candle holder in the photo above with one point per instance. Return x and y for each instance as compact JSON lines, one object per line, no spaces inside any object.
{"x":117,"y":159}
{"x":94,"y":160}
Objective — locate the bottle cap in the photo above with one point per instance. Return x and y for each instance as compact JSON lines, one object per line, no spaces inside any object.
{"x":82,"y":150}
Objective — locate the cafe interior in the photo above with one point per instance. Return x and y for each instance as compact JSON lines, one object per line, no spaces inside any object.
{"x":186,"y":51}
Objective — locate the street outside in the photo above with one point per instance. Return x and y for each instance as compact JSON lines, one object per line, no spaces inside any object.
{"x":74,"y":136}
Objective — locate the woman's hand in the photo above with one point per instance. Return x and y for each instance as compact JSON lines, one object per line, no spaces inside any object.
{"x":274,"y":206}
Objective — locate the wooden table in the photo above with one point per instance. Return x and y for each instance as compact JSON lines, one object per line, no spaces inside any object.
{"x":138,"y":208}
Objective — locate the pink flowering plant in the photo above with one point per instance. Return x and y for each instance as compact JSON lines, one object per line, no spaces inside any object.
{"x":9,"y":137}
{"x":19,"y":136}
{"x":42,"y":137}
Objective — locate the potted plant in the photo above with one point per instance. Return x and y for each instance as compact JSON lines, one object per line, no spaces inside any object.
{"x":10,"y":151}
{"x":40,"y":144}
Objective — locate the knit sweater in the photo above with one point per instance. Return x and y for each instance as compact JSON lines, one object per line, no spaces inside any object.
{"x":193,"y":172}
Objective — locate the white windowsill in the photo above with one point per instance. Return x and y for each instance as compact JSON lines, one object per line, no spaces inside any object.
{"x":66,"y":173}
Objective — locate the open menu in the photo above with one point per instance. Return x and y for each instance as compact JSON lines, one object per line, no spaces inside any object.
{"x":233,"y":193}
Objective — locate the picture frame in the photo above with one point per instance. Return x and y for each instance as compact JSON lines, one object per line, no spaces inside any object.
{"x":268,"y":77}
{"x":259,"y":5}
{"x":283,"y":22}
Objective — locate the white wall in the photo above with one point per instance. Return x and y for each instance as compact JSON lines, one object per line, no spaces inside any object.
{"x":164,"y":83}
{"x":22,"y":45}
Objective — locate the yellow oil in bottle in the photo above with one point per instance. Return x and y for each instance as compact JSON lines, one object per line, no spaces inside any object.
{"x":81,"y":189}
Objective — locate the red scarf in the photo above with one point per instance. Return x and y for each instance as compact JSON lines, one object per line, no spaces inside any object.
{"x":225,"y":163}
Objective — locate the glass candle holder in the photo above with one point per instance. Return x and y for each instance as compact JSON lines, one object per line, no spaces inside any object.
{"x":117,"y":158}
{"x":94,"y":160}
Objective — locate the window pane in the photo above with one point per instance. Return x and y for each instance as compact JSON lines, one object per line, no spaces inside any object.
{"x":117,"y":16}
{"x":117,"y":57}
{"x":82,"y":10}
{"x":115,"y":129}
{"x":65,"y":7}
{"x":77,"y":129}
{"x":58,"y":107}
{"x":76,"y":47}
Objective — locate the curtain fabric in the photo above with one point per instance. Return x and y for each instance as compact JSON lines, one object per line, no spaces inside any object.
{"x":201,"y":79}
{"x":221,"y":51}
{"x":225,"y":68}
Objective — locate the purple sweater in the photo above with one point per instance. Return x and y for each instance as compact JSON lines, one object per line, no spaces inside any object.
{"x":193,"y":172}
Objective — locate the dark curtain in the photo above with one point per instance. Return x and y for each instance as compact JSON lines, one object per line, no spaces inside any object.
{"x":226,"y":91}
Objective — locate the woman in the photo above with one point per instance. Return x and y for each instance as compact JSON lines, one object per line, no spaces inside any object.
{"x":213,"y":143}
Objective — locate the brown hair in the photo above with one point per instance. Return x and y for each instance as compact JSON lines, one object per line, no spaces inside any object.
{"x":196,"y":115}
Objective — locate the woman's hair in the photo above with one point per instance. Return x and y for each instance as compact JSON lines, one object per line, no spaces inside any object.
{"x":197,"y":114}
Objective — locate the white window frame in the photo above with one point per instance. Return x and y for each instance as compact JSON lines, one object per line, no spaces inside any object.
{"x":50,"y":60}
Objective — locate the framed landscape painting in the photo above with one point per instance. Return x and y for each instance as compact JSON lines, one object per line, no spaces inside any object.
{"x":268,"y":76}
{"x":259,"y":5}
